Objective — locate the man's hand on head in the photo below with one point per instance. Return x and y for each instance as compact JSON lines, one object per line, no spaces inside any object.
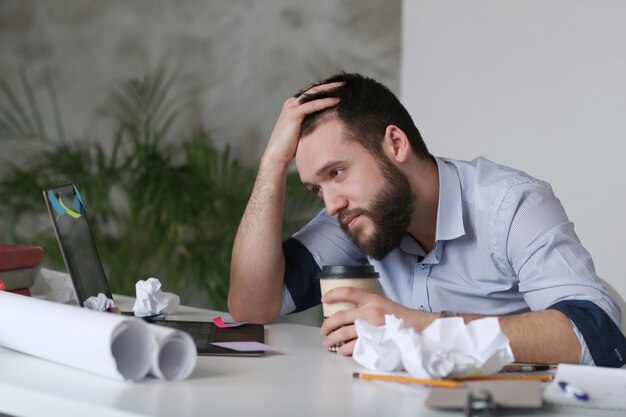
{"x":339,"y":328}
{"x":283,"y":142}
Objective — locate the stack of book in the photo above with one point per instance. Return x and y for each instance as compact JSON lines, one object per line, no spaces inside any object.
{"x":19,"y":265}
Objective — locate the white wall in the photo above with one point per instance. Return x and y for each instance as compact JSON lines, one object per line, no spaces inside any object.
{"x":535,"y":84}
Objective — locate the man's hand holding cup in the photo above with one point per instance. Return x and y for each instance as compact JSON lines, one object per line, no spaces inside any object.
{"x":344,"y":288}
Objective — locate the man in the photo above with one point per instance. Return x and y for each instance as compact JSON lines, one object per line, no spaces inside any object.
{"x":447,"y":237}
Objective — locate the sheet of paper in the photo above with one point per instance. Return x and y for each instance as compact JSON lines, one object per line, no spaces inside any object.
{"x":244,"y":346}
{"x":604,"y":386}
{"x":106,"y":344}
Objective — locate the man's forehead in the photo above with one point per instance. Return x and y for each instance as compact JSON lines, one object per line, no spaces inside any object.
{"x":328,"y":116}
{"x":328,"y":145}
{"x":327,"y":135}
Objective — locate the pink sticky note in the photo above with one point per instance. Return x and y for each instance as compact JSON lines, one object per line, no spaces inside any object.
{"x":243,"y":346}
{"x":223,"y":324}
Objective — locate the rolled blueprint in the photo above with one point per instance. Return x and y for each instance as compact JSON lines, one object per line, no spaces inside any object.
{"x":177,"y":353}
{"x":106,"y":344}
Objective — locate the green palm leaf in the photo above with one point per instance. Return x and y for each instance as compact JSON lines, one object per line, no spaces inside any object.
{"x":162,"y":202}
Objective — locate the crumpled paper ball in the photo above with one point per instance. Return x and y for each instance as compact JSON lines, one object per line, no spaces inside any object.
{"x":151,"y":300}
{"x":448,"y":348}
{"x":99,"y":303}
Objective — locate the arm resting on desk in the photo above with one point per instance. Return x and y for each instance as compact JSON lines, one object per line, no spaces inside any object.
{"x":537,"y":337}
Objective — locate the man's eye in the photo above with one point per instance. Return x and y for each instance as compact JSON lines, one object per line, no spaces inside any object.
{"x":336,"y":171}
{"x":316,"y":190}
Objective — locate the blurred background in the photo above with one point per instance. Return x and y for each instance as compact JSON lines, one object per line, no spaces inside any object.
{"x":236,"y":61}
{"x":160,"y":110}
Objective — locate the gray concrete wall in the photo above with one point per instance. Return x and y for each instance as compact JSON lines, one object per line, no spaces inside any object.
{"x":238,"y":59}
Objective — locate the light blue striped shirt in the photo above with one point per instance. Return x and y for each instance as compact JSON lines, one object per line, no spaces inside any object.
{"x":504,"y":245}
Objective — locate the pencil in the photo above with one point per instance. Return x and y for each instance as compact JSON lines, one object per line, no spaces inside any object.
{"x":528,"y":367}
{"x":445,"y":383}
{"x":545,"y":378}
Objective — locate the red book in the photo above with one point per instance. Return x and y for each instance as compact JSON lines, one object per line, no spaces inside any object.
{"x":15,"y":279}
{"x":19,"y":256}
{"x":21,"y":291}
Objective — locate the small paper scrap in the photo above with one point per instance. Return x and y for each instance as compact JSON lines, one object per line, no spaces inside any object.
{"x":448,"y":348}
{"x":244,"y":346}
{"x":151,"y":300}
{"x":219,"y":322}
{"x":99,"y":303}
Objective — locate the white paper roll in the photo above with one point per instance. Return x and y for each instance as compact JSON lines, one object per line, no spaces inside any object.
{"x":177,"y":354}
{"x":106,"y":344}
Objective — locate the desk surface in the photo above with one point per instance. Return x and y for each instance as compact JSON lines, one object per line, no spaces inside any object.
{"x":301,"y":379}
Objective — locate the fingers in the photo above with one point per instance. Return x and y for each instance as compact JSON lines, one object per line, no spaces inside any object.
{"x":293,"y":105}
{"x":347,"y":349}
{"x":338,"y":321}
{"x":340,"y":338}
{"x":349,"y":294}
{"x":316,"y":88}
{"x":339,"y":328}
{"x":370,"y":307}
{"x":283,"y":142}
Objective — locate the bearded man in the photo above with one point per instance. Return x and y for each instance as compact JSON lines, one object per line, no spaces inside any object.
{"x":448,"y":237}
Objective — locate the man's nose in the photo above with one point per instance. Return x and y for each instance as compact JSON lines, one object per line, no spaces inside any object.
{"x":334,"y":201}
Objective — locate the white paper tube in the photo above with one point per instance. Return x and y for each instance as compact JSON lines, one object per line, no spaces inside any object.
{"x":177,"y":354}
{"x":106,"y":344}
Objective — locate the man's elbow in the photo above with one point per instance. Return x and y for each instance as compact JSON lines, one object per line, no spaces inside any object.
{"x":242,"y":311}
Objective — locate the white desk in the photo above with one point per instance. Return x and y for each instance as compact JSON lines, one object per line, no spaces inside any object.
{"x":301,"y":380}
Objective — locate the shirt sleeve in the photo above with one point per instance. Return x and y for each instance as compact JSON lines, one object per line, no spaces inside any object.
{"x":555,"y":270}
{"x":602,"y":336}
{"x":321,"y":242}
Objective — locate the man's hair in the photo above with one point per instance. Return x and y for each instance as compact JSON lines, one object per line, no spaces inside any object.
{"x":366,"y":108}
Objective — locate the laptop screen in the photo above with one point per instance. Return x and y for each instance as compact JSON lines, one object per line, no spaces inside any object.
{"x":69,"y":217}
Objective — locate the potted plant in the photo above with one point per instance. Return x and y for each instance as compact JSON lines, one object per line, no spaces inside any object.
{"x":160,"y":202}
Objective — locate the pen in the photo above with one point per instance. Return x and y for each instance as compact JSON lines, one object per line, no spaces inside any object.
{"x":521,"y":367}
{"x":573,"y":392}
{"x":544,"y":378}
{"x":444,"y":383}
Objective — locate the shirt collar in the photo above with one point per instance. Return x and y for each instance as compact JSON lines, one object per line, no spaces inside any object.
{"x":450,"y":208}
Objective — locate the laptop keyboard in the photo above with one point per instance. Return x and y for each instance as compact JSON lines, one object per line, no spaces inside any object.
{"x":201,"y":332}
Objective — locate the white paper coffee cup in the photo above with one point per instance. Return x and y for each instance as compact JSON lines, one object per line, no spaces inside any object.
{"x":363,"y":277}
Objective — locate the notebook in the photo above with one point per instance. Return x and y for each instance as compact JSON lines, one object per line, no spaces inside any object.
{"x":69,"y":217}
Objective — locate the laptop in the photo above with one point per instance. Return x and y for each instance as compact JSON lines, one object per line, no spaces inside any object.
{"x":69,"y":217}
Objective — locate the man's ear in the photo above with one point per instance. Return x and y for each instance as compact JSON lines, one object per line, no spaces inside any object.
{"x":396,"y":144}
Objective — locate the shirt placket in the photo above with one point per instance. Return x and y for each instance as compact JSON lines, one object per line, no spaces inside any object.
{"x":421,"y":272}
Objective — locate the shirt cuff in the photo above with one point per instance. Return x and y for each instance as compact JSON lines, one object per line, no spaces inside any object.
{"x":585,"y":355}
{"x":287,"y":306}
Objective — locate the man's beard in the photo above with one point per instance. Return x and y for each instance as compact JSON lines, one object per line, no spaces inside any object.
{"x":390,"y":212}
